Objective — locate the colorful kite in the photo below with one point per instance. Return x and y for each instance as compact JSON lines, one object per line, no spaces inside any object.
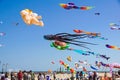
{"x":61,"y":40}
{"x":91,"y":34}
{"x":60,"y":45}
{"x":113,"y":65}
{"x":69,"y":58}
{"x":86,"y":7}
{"x":112,"y":47}
{"x":31,"y":18}
{"x":66,"y":66}
{"x":87,"y":53}
{"x":70,"y":6}
{"x":114,"y":26}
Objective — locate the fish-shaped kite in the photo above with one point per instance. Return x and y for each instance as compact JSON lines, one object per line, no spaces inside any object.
{"x":29,"y":17}
{"x":112,"y":47}
{"x":104,"y":56}
{"x":70,"y":6}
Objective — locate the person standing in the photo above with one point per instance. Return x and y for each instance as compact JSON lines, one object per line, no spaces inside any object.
{"x":6,"y":76}
{"x":40,"y":76}
{"x":20,"y":75}
{"x":94,"y":75}
{"x":25,"y":75}
{"x":32,"y":75}
{"x":77,"y":76}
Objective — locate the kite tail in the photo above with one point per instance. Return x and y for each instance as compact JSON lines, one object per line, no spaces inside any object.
{"x":78,"y":51}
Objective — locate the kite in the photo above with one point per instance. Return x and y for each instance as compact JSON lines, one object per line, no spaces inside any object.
{"x":87,"y":53}
{"x":86,"y":7}
{"x":104,"y":56}
{"x":2,"y":33}
{"x":111,"y":66}
{"x":83,"y":62}
{"x":67,"y":66}
{"x":97,"y":13}
{"x":60,"y":45}
{"x":114,"y":65}
{"x":112,"y":47}
{"x":53,"y":62}
{"x":69,"y":58}
{"x":31,"y":18}
{"x":91,"y":34}
{"x":93,"y":68}
{"x":16,"y":24}
{"x":114,"y":26}
{"x":61,"y":40}
{"x":81,"y":52}
{"x":70,"y":6}
{"x":76,"y":65}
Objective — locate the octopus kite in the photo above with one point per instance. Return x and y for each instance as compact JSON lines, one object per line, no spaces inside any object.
{"x":31,"y":18}
{"x":70,"y":6}
{"x":61,"y":41}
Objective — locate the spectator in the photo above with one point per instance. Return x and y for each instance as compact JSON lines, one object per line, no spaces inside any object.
{"x":20,"y":75}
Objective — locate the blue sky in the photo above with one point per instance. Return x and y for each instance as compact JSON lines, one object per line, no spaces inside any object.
{"x":25,"y":47}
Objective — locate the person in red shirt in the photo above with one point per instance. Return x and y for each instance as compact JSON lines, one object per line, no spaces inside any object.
{"x":20,"y":75}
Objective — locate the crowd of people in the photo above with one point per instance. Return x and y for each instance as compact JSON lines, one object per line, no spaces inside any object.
{"x":94,"y":76}
{"x":22,"y":75}
{"x":30,"y":75}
